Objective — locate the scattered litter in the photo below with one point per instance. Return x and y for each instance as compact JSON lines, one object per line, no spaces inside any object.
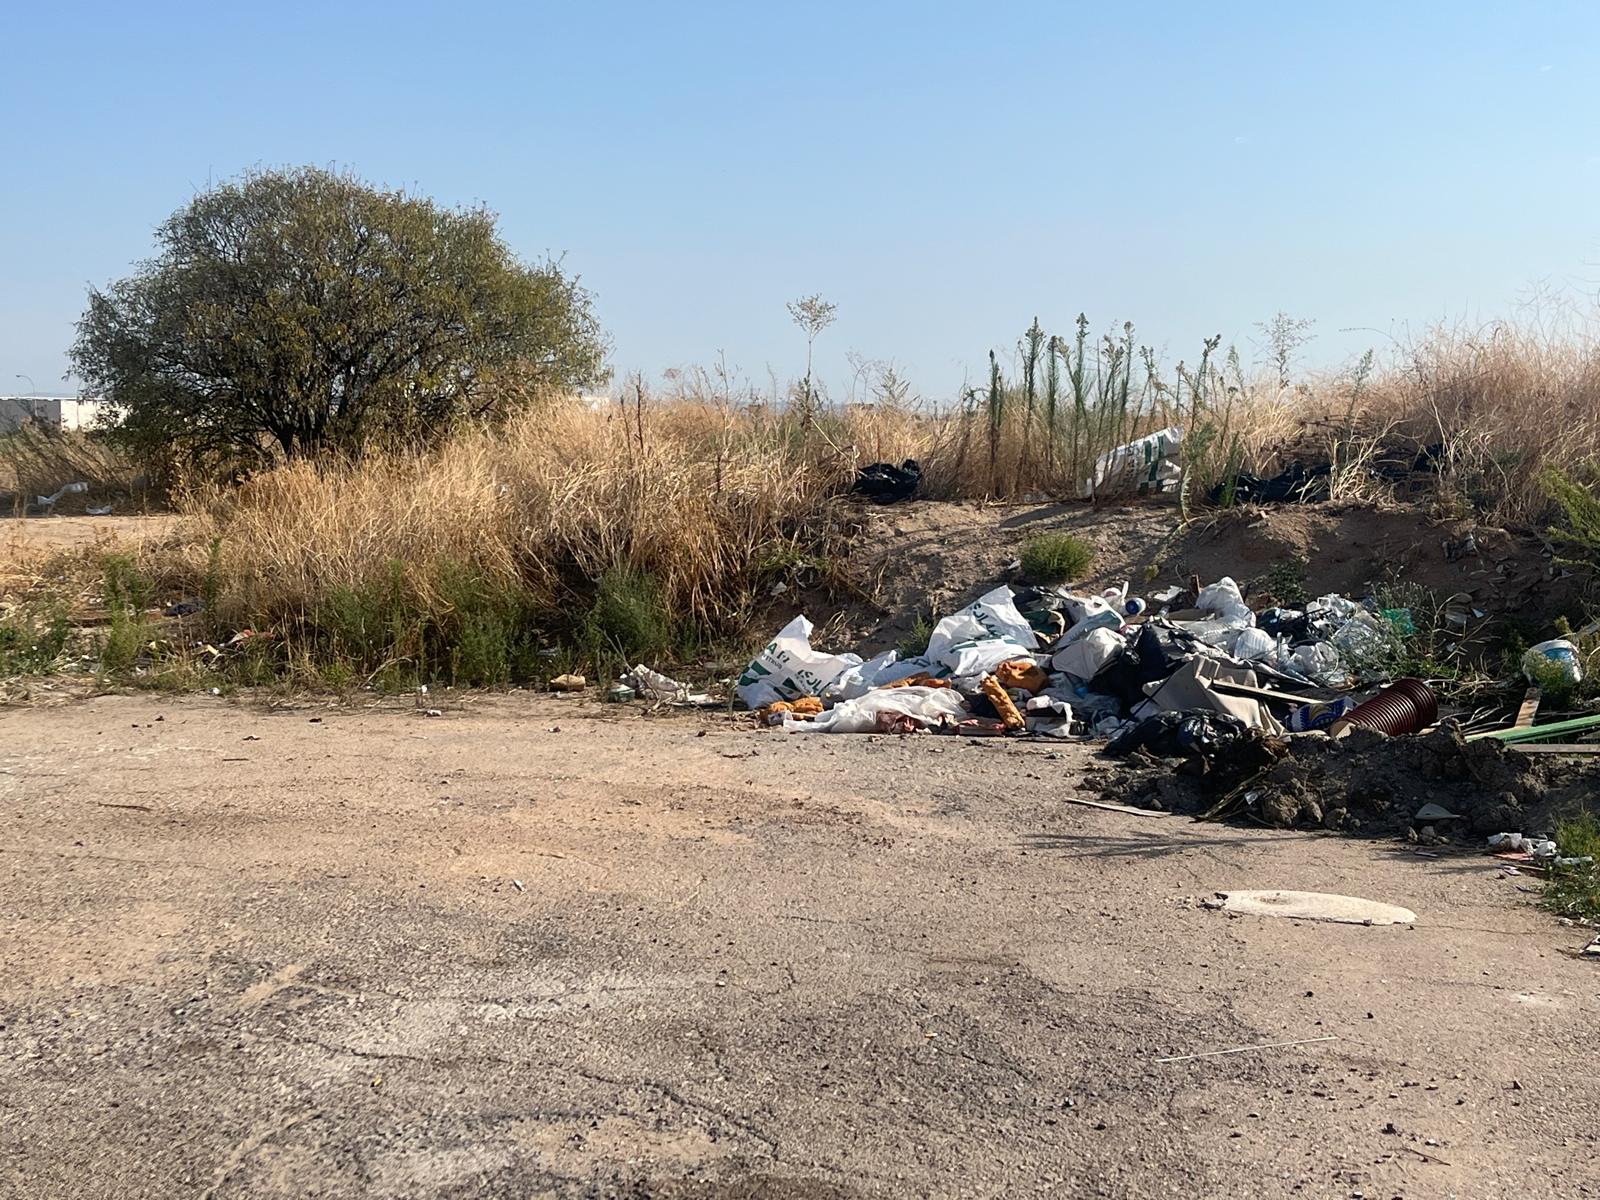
{"x":97,"y":510}
{"x":888,"y":710}
{"x":433,"y":712}
{"x":1121,"y":808}
{"x":653,"y":685}
{"x":1537,"y":848}
{"x":1295,"y":484}
{"x":1247,"y":1049}
{"x":568,"y":683}
{"x":67,"y":489}
{"x":789,"y":668}
{"x":1315,"y":906}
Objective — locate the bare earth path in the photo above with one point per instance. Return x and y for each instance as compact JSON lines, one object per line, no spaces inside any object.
{"x":252,"y":953}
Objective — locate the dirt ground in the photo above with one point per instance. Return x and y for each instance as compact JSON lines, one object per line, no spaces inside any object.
{"x":535,"y":947}
{"x":25,"y":542}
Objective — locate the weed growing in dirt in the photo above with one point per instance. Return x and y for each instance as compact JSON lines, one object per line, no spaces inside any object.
{"x":1286,"y":580}
{"x":32,"y":638}
{"x":1052,"y":558}
{"x":1574,"y":891}
{"x":628,"y":621}
{"x":127,"y":593}
{"x":1579,"y":502}
{"x":916,"y":641}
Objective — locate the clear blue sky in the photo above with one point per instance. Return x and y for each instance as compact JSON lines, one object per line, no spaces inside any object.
{"x":943,"y":172}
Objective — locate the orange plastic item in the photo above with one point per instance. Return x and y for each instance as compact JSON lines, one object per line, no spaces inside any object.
{"x":997,"y":696}
{"x":921,"y":679}
{"x":1022,"y":673}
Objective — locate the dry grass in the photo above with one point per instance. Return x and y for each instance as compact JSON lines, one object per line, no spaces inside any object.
{"x":36,"y":460}
{"x":1501,"y":403}
{"x":706,"y":506}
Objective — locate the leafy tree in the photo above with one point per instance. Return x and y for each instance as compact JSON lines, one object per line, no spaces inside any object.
{"x":302,"y":311}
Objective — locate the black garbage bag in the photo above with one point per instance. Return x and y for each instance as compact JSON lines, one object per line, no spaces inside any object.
{"x":885,"y":483}
{"x":1159,"y":650}
{"x":1296,"y":484}
{"x":1291,"y":623}
{"x":1190,"y":733}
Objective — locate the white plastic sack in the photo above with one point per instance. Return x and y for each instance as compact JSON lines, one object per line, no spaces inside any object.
{"x":926,"y":706}
{"x":875,"y":672}
{"x":789,"y":668}
{"x":1085,"y":658}
{"x":991,"y":616}
{"x":1320,"y":663}
{"x":1255,"y":645}
{"x":1100,"y":621}
{"x":1362,"y":640}
{"x":1082,"y":608}
{"x":1146,"y":462}
{"x":653,"y":685}
{"x":971,"y":660}
{"x":1224,"y":601}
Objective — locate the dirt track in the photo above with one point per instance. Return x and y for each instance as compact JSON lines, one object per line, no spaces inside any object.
{"x":253,"y":953}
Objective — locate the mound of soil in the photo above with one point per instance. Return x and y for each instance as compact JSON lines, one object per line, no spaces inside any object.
{"x":1372,"y":784}
{"x":928,"y":556}
{"x":1510,"y":575}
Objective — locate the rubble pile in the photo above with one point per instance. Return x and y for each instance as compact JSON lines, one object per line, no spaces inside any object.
{"x":1059,"y":662}
{"x":1437,"y":786}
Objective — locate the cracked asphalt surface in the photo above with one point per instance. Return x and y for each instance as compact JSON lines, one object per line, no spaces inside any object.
{"x":545,"y":947}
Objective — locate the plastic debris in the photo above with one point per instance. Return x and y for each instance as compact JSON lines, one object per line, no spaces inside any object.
{"x":1315,"y":906}
{"x":924,"y":707}
{"x":1550,"y":661}
{"x":1145,"y":464}
{"x":885,"y":483}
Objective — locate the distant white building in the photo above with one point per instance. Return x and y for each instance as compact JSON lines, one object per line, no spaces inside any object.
{"x":58,"y":412}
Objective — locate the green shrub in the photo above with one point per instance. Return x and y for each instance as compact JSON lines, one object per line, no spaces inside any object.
{"x":915,"y":643}
{"x":1055,"y":558}
{"x":1580,"y":506}
{"x":128,"y":595}
{"x":628,"y":620}
{"x":1574,"y":891}
{"x":32,"y":639}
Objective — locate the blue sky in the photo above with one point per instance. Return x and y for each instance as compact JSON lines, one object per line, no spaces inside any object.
{"x":942,"y":172}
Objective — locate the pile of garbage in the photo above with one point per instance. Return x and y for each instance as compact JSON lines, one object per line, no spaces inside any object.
{"x":1435,"y":787}
{"x":1181,"y":674}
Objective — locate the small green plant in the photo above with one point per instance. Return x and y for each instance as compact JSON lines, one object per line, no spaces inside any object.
{"x":1579,"y":502}
{"x":1055,"y":558}
{"x":1574,"y":890}
{"x":32,"y":639}
{"x":211,"y":589}
{"x":1286,"y":580}
{"x":915,"y":642}
{"x":1554,"y":681}
{"x":128,"y":594}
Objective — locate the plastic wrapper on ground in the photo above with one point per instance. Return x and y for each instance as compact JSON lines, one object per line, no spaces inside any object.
{"x":924,"y":707}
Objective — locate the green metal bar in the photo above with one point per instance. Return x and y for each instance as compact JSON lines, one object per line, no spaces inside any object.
{"x":1538,"y":733}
